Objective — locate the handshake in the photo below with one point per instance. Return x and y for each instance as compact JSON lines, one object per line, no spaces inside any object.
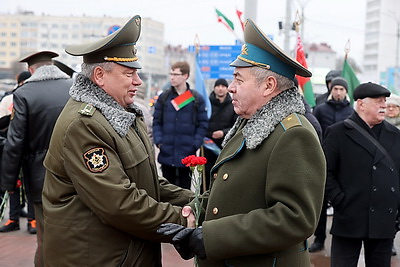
{"x":187,"y":241}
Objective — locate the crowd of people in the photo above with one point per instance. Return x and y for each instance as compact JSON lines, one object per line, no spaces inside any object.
{"x":84,"y":145}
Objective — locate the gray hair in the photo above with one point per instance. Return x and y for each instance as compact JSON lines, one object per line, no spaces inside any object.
{"x":88,"y":68}
{"x":260,"y":74}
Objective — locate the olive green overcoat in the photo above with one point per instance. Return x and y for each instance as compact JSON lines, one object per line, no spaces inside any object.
{"x":264,"y":202}
{"x":102,"y":196}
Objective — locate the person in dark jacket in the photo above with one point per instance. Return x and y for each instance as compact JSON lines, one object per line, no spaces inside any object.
{"x":16,"y":199}
{"x":363,"y":180}
{"x":221,"y":121}
{"x":37,"y":105}
{"x":328,"y":78}
{"x":336,"y":108}
{"x":179,"y":125}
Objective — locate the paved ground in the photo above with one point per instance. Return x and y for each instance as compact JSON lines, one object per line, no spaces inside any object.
{"x":18,"y":249}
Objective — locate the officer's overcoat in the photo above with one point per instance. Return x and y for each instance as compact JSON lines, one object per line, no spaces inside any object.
{"x":265,"y":200}
{"x":101,"y":194}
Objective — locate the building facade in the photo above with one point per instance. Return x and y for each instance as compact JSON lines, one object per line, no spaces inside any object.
{"x":382,"y":33}
{"x":25,"y":32}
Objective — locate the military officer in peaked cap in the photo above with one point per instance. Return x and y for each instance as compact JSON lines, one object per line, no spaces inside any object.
{"x":268,"y":181}
{"x":103,"y":200}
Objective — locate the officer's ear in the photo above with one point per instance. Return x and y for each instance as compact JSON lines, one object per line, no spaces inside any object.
{"x":270,"y":86}
{"x":98,"y":76}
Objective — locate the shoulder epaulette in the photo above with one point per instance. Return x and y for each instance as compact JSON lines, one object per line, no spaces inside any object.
{"x":290,"y":121}
{"x":87,"y":109}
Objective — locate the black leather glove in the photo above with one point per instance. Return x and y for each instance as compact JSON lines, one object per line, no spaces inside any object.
{"x":188,"y":242}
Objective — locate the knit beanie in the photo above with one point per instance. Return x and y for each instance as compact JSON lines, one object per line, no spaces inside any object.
{"x":339,"y":81}
{"x":221,"y":82}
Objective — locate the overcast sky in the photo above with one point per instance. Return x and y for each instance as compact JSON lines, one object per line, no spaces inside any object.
{"x":333,"y":22}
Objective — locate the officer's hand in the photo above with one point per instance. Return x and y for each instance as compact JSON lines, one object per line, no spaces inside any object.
{"x":169,"y":230}
{"x":187,"y":212}
{"x":189,"y":242}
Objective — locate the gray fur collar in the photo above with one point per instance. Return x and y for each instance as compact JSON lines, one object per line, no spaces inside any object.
{"x":47,"y":72}
{"x":121,"y":119}
{"x":261,"y":124}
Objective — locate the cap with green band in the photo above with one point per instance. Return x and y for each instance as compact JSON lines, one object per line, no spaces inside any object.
{"x":259,"y":50}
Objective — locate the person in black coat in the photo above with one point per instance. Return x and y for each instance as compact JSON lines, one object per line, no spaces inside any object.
{"x":37,"y":105}
{"x":336,"y":108}
{"x":320,"y":99}
{"x":221,"y":121}
{"x":363,"y":181}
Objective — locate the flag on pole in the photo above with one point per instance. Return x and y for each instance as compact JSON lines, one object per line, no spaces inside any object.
{"x":351,"y":78}
{"x":304,"y":82}
{"x":224,"y":20}
{"x":239,"y":14}
{"x":201,"y":88}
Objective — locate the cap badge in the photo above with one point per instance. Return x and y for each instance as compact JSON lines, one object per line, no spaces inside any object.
{"x":245,"y":50}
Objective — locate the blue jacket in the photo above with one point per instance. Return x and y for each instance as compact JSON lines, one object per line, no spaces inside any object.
{"x":178,"y":133}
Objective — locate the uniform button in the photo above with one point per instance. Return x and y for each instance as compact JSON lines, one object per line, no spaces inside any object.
{"x":225,"y":176}
{"x":374,"y":188}
{"x":374,"y":168}
{"x":372,"y":209}
{"x":392,"y":189}
{"x":391,"y":169}
{"x":215,"y":211}
{"x":215,"y":175}
{"x":390,"y":210}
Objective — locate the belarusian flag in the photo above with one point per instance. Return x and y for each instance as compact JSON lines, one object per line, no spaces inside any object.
{"x":224,"y":20}
{"x":351,"y":78}
{"x":182,"y":100}
{"x":239,"y":14}
{"x":304,"y":82}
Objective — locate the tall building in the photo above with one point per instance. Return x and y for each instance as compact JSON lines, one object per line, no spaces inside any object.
{"x":25,"y":32}
{"x":382,"y":33}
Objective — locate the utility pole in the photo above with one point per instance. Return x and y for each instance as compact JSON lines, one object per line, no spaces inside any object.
{"x":250,"y":10}
{"x":288,"y":27}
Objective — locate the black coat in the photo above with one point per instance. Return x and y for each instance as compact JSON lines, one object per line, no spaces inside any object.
{"x":222,"y":117}
{"x":331,"y":112}
{"x":37,"y":105}
{"x":361,"y":185}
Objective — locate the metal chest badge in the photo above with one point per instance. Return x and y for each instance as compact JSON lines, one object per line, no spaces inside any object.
{"x":96,"y":159}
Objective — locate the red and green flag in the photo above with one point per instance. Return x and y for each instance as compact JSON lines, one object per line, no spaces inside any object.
{"x":351,"y":78}
{"x":182,"y":100}
{"x":304,"y":82}
{"x":239,"y":14}
{"x":224,"y":20}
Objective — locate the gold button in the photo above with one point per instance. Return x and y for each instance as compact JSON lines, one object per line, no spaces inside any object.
{"x":225,"y":176}
{"x":215,"y":175}
{"x":215,"y":211}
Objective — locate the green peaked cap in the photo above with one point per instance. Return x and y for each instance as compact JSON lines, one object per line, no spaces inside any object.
{"x":259,"y":50}
{"x":37,"y":57}
{"x":118,"y":47}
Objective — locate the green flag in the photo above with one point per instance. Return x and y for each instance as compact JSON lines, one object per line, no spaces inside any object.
{"x":224,"y":20}
{"x":351,"y":78}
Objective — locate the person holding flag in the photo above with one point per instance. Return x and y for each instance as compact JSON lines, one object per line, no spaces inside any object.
{"x":180,"y":123}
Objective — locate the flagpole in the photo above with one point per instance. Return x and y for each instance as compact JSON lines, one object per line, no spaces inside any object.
{"x":346,"y":49}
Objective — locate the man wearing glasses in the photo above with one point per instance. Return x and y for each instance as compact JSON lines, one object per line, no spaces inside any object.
{"x":179,"y":125}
